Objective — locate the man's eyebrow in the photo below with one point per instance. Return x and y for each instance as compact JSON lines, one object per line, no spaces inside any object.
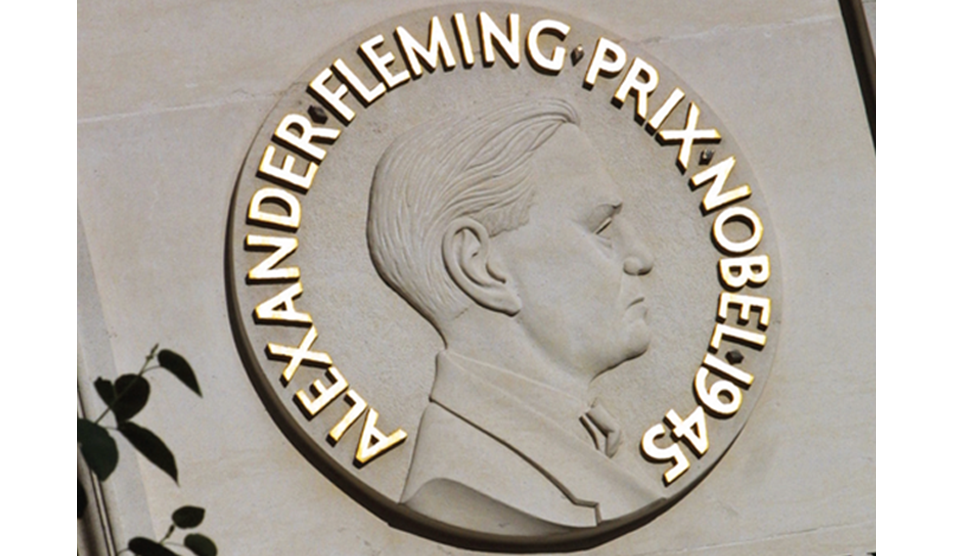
{"x":602,"y":213}
{"x":609,"y":208}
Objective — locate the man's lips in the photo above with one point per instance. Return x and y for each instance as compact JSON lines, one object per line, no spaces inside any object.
{"x":636,"y":301}
{"x":638,"y":308}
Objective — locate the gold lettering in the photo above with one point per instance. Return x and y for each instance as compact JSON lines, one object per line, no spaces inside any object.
{"x":490,"y":33}
{"x":736,"y":272}
{"x":285,"y":174}
{"x":745,"y":304}
{"x":714,"y":397}
{"x":666,"y":109}
{"x":333,"y":99}
{"x":463,"y":37}
{"x":715,"y":198}
{"x":437,"y":45}
{"x":555,"y":62}
{"x":265,"y":270}
{"x":601,"y":65}
{"x":643,"y":88}
{"x":743,"y":336}
{"x":688,"y":135}
{"x":301,"y":140}
{"x":358,"y":405}
{"x":298,"y":355}
{"x":326,"y":395}
{"x":380,"y":63}
{"x":355,"y":83}
{"x":373,"y":442}
{"x":671,"y":453}
{"x":281,"y":308}
{"x":753,"y":222}
{"x":255,"y":212}
{"x":727,"y":370}
{"x":692,"y":430}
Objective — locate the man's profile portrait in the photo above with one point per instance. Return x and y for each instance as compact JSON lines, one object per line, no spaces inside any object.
{"x":504,"y":230}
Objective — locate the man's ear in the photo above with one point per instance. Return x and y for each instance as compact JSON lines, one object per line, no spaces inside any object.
{"x":469,"y":260}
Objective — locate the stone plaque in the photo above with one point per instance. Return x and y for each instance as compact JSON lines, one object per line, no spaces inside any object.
{"x":503,"y":277}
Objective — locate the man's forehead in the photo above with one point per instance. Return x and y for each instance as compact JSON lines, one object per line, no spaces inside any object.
{"x":569,"y":168}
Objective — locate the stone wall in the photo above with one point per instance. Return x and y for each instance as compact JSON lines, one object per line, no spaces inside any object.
{"x":171,"y":96}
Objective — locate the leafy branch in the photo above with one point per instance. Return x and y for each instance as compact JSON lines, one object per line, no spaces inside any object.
{"x":125,"y":398}
{"x":186,"y":517}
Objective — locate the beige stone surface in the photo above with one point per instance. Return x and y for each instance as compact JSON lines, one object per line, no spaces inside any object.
{"x":171,"y":96}
{"x":871,"y":12}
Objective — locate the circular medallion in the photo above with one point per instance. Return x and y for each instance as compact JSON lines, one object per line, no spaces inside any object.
{"x":503,"y":277}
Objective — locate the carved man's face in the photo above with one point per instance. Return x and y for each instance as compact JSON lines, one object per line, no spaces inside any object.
{"x":576,"y":263}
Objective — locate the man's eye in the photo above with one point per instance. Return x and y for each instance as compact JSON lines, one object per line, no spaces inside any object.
{"x":603,"y":229}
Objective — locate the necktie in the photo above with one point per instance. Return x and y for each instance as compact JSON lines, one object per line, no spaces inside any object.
{"x":599,"y":423}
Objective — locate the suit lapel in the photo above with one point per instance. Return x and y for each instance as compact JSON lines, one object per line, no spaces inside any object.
{"x":586,"y":476}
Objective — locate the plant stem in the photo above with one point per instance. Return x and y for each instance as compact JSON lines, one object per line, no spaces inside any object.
{"x":168,"y":533}
{"x":143,"y":369}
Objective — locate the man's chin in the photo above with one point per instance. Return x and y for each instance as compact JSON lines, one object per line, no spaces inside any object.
{"x":641,"y":337}
{"x":636,"y":346}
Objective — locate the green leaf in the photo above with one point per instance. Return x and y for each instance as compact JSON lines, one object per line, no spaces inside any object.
{"x":178,"y":366}
{"x":105,"y":390}
{"x":81,"y":501}
{"x":145,"y":547}
{"x":132,"y":392}
{"x":150,"y":446}
{"x":200,"y":545}
{"x":188,"y":517}
{"x":98,"y":448}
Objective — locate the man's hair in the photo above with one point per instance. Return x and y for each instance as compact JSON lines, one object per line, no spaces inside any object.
{"x":475,"y":165}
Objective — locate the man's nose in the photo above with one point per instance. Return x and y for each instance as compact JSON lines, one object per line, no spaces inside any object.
{"x":639,"y":261}
{"x":638,"y":258}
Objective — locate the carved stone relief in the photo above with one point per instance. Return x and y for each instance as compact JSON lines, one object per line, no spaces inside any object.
{"x":504,"y":278}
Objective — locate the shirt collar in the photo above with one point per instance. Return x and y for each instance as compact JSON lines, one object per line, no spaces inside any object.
{"x":558,"y":406}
